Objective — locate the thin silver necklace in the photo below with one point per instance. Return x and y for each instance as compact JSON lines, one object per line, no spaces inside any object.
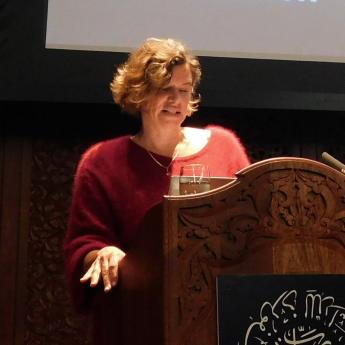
{"x":166,"y":167}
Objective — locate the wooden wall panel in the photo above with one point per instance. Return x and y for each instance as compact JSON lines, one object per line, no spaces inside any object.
{"x":50,"y":318}
{"x":15,"y":184}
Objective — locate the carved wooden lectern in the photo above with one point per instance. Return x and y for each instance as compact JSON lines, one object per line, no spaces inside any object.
{"x":281,"y":215}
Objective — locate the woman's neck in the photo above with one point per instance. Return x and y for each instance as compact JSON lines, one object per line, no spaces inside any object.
{"x":164,"y":142}
{"x":187,"y":142}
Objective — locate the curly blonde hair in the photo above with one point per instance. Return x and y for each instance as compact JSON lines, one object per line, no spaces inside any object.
{"x":148,"y":69}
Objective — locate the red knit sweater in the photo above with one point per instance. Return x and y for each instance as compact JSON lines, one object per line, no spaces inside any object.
{"x":117,"y":182}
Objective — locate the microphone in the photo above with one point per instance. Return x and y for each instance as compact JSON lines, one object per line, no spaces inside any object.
{"x":328,"y":159}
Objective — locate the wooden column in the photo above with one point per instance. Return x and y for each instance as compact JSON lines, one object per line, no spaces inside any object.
{"x":15,"y":165}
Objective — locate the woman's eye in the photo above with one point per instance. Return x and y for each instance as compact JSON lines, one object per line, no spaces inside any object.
{"x":186,"y":91}
{"x":172,"y":90}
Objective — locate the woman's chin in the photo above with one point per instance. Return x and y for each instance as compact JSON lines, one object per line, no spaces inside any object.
{"x":173,"y":118}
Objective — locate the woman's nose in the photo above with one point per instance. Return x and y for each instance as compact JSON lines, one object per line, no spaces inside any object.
{"x":174,"y":95}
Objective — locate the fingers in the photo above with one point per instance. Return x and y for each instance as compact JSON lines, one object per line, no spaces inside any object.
{"x":92,"y":274}
{"x":106,"y":265}
{"x":110,"y":269}
{"x":96,"y":272}
{"x":105,"y":274}
{"x":113,"y":270}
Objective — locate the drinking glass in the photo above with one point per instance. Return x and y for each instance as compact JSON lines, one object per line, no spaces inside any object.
{"x":194,"y":178}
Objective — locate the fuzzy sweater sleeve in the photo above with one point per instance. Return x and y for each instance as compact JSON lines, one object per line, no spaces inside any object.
{"x":91,"y":226}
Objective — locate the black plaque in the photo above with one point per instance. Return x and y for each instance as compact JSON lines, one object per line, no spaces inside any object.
{"x":281,"y":309}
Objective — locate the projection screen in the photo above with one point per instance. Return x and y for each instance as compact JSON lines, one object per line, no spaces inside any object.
{"x":302,"y":30}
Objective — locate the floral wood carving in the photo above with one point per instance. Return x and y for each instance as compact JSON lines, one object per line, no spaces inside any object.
{"x":290,"y":204}
{"x":50,"y":318}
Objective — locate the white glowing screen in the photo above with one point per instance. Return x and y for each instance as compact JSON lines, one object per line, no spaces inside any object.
{"x":275,"y":29}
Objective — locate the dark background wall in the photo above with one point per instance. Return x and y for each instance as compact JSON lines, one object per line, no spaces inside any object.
{"x":54,"y":104}
{"x":30,"y":72}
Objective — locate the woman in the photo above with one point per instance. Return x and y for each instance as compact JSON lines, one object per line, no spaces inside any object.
{"x":119,"y":180}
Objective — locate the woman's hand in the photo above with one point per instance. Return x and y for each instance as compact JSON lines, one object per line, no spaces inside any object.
{"x":103,"y":263}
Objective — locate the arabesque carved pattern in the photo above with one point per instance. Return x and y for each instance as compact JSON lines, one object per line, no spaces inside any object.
{"x":50,"y":318}
{"x":274,"y":205}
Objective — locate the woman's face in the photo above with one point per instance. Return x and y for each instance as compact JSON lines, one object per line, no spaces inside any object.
{"x":169,"y":104}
